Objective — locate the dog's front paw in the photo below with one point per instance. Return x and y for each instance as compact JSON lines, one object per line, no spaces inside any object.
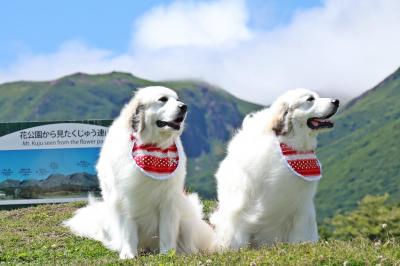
{"x":127,"y":253}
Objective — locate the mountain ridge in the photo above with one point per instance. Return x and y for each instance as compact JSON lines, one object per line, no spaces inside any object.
{"x":359,"y":155}
{"x":395,"y":74}
{"x":354,"y":162}
{"x":213,"y":113}
{"x":73,"y":183}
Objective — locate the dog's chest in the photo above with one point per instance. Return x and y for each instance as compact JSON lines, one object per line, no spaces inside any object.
{"x":142,"y":200}
{"x":143,"y":189}
{"x":278,"y":191}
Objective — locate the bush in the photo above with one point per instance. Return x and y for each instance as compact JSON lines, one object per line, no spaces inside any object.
{"x":373,"y":219}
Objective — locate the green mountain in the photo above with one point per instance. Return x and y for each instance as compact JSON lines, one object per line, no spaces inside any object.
{"x":362,"y":154}
{"x":213,"y":113}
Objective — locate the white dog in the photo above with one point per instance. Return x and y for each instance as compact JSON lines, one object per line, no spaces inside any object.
{"x":266,"y":183}
{"x":141,"y":170}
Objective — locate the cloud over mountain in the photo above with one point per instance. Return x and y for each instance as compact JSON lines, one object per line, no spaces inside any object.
{"x":340,"y":47}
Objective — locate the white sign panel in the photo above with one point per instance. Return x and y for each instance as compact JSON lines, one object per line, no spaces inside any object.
{"x":39,"y":160}
{"x":55,"y":136}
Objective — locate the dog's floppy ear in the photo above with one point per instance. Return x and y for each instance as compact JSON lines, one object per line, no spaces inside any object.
{"x":280,"y":122}
{"x":138,"y":117}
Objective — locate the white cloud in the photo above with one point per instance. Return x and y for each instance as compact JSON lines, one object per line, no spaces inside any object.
{"x":71,"y":57}
{"x":341,"y":48}
{"x":192,"y":24}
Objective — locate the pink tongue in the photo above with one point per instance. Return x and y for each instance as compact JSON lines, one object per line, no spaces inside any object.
{"x":314,"y":123}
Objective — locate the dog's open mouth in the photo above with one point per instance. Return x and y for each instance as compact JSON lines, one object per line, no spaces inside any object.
{"x":176,"y":124}
{"x":320,"y":122}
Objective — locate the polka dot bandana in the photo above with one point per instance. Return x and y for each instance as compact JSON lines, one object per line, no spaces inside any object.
{"x":304,"y":164}
{"x":154,"y":162}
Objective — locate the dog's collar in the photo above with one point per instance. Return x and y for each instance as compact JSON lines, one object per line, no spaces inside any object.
{"x":303,"y":164}
{"x":154,"y":162}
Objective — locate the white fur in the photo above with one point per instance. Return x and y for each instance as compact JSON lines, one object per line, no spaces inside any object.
{"x":138,"y":212}
{"x":261,"y":201}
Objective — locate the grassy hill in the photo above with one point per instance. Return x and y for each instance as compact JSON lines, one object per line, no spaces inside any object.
{"x":361,"y":155}
{"x":213,"y":113}
{"x":34,"y":236}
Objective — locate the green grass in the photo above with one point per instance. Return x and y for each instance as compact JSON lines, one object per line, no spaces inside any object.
{"x":34,"y":236}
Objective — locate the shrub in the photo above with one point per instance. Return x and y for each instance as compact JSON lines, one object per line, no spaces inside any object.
{"x":373,"y":219}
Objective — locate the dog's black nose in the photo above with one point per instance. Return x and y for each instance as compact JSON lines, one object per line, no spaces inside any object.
{"x":183,"y":108}
{"x":335,"y":102}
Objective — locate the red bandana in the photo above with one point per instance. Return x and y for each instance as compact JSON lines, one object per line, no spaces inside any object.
{"x":154,"y":162}
{"x":303,"y":164}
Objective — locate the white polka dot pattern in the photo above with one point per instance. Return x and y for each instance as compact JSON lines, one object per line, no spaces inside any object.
{"x":304,"y":164}
{"x":155,"y":162}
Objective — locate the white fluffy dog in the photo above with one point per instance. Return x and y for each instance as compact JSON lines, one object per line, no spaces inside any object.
{"x":266,"y":183}
{"x":141,"y":170}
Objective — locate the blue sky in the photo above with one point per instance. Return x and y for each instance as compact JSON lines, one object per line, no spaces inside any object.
{"x":40,"y":26}
{"x":255,"y":49}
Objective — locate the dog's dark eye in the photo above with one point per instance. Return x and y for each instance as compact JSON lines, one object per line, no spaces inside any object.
{"x":310,"y":99}
{"x":163,"y":99}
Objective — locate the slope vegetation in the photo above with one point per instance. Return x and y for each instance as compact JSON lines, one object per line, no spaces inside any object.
{"x":361,"y":155}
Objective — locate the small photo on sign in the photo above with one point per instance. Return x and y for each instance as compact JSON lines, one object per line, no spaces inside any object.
{"x":43,"y":160}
